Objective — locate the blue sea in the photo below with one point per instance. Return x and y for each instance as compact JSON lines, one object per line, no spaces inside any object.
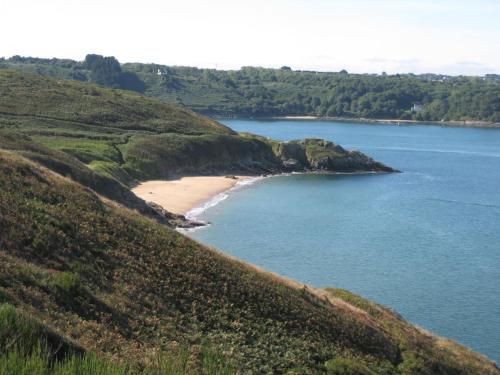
{"x":425,"y":242}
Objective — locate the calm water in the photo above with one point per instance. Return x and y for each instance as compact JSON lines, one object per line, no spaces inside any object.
{"x":425,"y":242}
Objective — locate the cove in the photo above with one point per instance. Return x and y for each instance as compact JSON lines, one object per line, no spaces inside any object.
{"x":425,"y":242}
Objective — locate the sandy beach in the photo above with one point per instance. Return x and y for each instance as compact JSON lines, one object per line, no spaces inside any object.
{"x":182,"y":195}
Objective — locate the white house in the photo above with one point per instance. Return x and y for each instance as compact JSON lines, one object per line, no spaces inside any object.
{"x":417,"y":107}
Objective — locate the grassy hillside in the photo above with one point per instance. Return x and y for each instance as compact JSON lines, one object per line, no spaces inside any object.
{"x":87,"y":104}
{"x":29,"y":347}
{"x":279,"y":92}
{"x":127,"y":137}
{"x":124,"y":287}
{"x":90,"y":283}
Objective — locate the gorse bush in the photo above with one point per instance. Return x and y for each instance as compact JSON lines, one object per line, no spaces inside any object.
{"x":3,"y":297}
{"x":66,"y":283}
{"x":346,"y":366}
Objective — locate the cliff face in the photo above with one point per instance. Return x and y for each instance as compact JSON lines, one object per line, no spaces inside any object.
{"x":172,"y":155}
{"x":321,"y":155}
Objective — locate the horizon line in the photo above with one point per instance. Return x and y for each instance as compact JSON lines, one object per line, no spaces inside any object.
{"x":300,"y":70}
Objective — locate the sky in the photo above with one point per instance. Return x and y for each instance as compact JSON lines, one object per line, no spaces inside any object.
{"x":362,"y":36}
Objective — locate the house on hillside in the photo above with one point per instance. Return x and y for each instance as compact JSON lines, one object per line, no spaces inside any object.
{"x":417,"y":107}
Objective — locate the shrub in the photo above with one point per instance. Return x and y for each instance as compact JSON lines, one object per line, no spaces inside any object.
{"x":3,"y":297}
{"x":66,"y":283}
{"x":346,"y":366}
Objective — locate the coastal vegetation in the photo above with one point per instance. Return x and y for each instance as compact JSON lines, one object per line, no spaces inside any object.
{"x":260,"y":92}
{"x":127,"y":288}
{"x":124,"y":137}
{"x":93,"y":281}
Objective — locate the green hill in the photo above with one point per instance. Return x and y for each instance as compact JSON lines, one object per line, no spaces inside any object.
{"x":129,"y":137}
{"x":89,"y":284}
{"x":253,"y":91}
{"x":123,"y":286}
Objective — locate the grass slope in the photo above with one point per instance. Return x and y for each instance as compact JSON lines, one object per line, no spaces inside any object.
{"x":98,"y":278}
{"x":87,"y":104}
{"x":125,"y":136}
{"x":90,"y":123}
{"x":29,"y":347}
{"x":125,"y":287}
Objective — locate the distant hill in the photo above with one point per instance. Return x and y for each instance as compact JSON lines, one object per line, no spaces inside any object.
{"x":90,"y":284}
{"x":260,"y":92}
{"x":129,"y":137}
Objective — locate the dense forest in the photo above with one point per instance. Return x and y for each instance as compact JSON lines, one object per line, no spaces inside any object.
{"x":260,"y":92}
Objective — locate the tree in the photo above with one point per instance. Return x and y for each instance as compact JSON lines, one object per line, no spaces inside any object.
{"x":104,"y":70}
{"x":107,"y":71}
{"x":130,"y":81}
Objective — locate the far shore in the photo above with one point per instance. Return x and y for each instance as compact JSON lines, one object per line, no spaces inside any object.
{"x":466,"y":123}
{"x":182,"y":195}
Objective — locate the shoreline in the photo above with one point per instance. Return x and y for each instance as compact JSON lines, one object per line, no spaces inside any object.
{"x":184,"y":195}
{"x":361,"y":120}
{"x":190,"y":196}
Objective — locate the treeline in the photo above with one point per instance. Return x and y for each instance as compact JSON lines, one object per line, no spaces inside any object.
{"x":259,"y":92}
{"x":105,"y":71}
{"x":282,"y":92}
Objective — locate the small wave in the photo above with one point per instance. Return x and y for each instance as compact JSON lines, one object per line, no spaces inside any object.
{"x":425,"y":176}
{"x":197,"y":211}
{"x":489,"y":205}
{"x":246,"y":182}
{"x":190,"y":230}
{"x":460,"y":152}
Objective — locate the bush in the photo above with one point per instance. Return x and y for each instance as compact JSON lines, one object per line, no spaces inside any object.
{"x":346,"y":366}
{"x":66,"y":283}
{"x":3,"y":297}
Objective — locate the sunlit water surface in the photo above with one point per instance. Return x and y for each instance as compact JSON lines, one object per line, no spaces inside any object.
{"x":425,"y":242}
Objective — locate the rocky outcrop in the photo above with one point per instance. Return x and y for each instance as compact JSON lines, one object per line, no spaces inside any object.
{"x":172,"y":155}
{"x":320,"y":155}
{"x":352,"y":161}
{"x":174,"y":220}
